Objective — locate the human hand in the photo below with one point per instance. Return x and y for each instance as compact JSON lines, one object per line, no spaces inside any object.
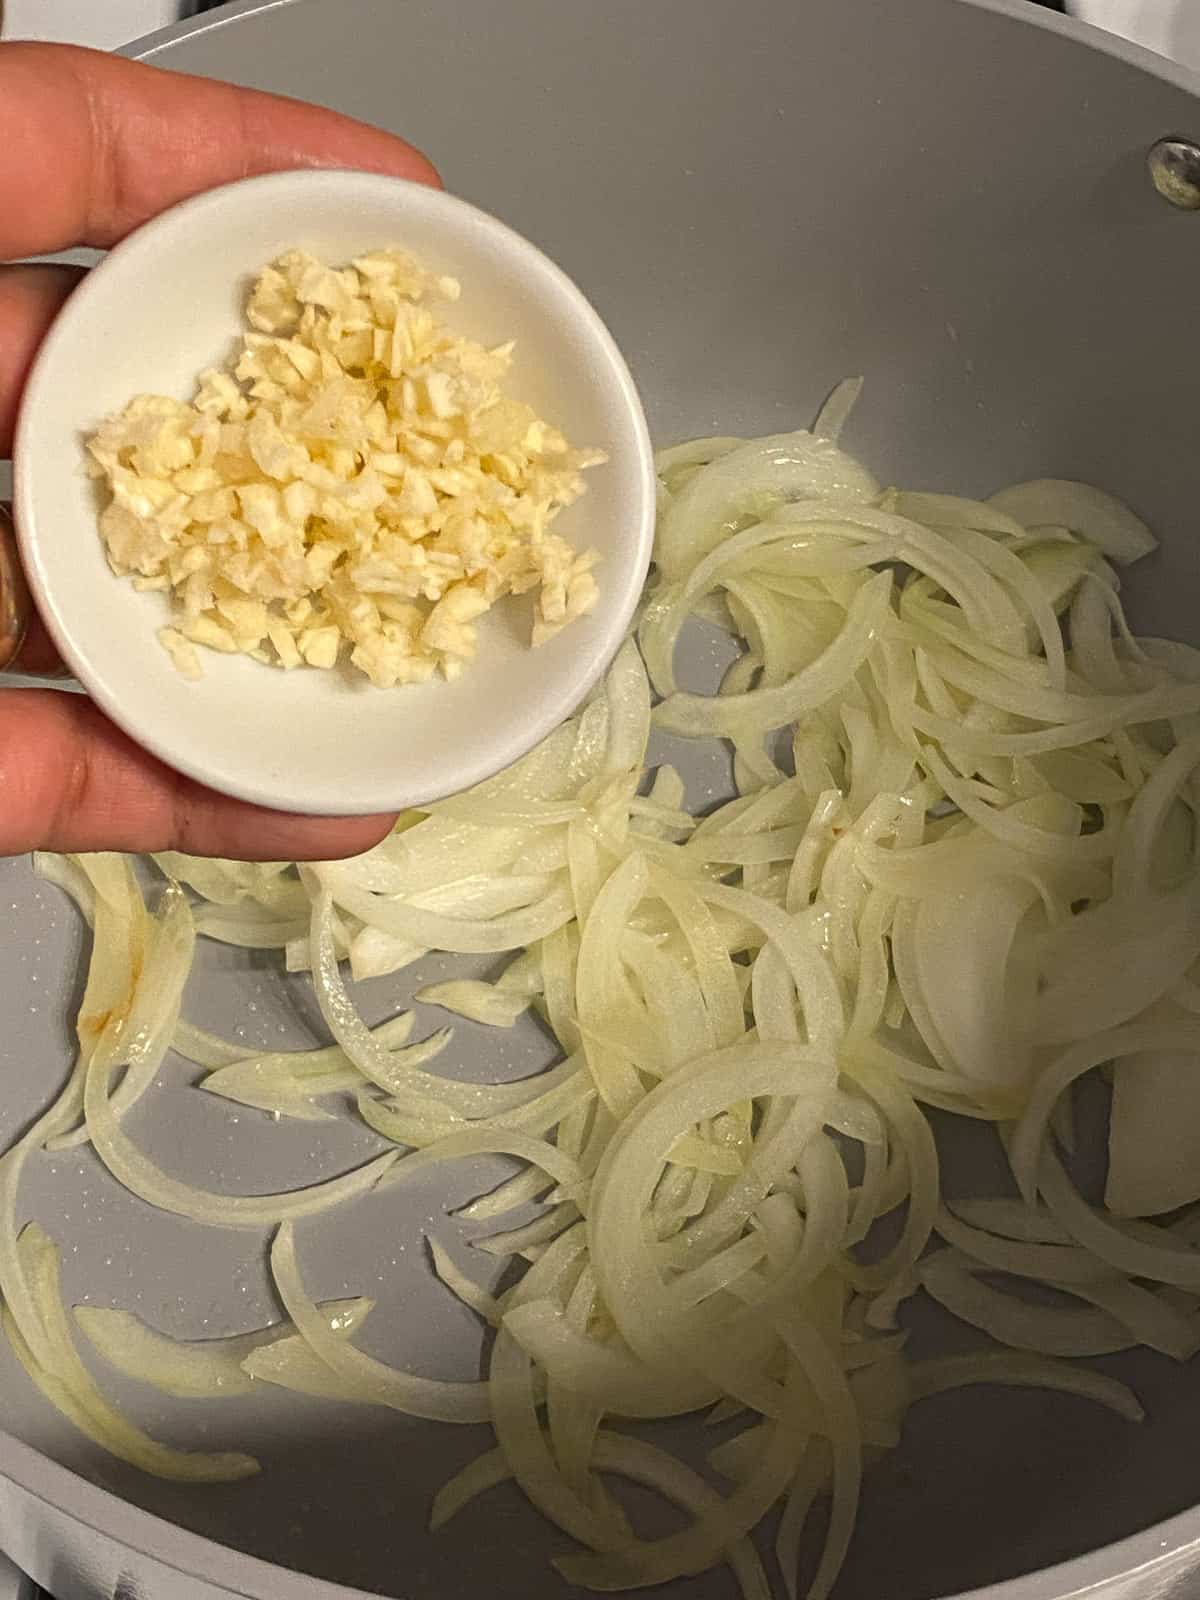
{"x":91,"y":146}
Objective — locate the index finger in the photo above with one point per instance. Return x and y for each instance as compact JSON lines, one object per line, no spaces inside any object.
{"x":91,"y":145}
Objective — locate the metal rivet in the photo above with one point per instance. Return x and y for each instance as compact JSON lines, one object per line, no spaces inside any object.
{"x":1175,"y":172}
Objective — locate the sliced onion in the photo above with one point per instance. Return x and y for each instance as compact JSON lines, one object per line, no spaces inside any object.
{"x":1135,"y":1039}
{"x":763,"y":709}
{"x":361,"y":1375}
{"x":478,"y":1002}
{"x":1154,"y":1134}
{"x":1050,"y":1255}
{"x":206,"y":1049}
{"x":756,"y":1007}
{"x":291,"y":1364}
{"x":810,"y":1480}
{"x":1138,"y":1249}
{"x":723,"y":1524}
{"x":750,"y":479}
{"x":462,"y":1287}
{"x":66,"y":873}
{"x":1024,"y":1372}
{"x":1114,"y":960}
{"x":154,"y":1011}
{"x":150,"y":1183}
{"x":196,"y":1369}
{"x":1100,"y":518}
{"x":291,"y":1080}
{"x":55,"y":1367}
{"x":1045,"y":1330}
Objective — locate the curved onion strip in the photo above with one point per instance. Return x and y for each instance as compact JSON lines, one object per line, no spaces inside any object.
{"x":485,"y":1472}
{"x":1045,"y":1330}
{"x":835,"y":413}
{"x":628,"y":692}
{"x":66,"y":873}
{"x":763,"y":709}
{"x":463,"y":1288}
{"x":18,"y":1298}
{"x":1093,"y":652}
{"x":1041,"y":1258}
{"x":1041,"y":843}
{"x":827,"y":1201}
{"x":533,"y":1240}
{"x":627,"y":1174}
{"x":291,"y":1364}
{"x":843,"y":1431}
{"x":607,"y":1375}
{"x":798,"y":944}
{"x":637,"y":1565}
{"x":59,"y":1372}
{"x":1114,"y":960}
{"x":206,"y":1049}
{"x":601,"y":984}
{"x":810,"y":1479}
{"x":513,"y":1394}
{"x":1151,"y":1316}
{"x":154,"y":1012}
{"x":367,"y":1379}
{"x":509,"y":930}
{"x":515,"y":1191}
{"x":290,"y":1081}
{"x":496,"y":1142}
{"x":1038,"y":702}
{"x":564,"y":1091}
{"x":1131,"y":1248}
{"x":1105,"y":717}
{"x":714,"y":970}
{"x":1100,"y":518}
{"x":1023,"y":1372}
{"x":119,"y":933}
{"x":478,"y":1002}
{"x":1016,"y":576}
{"x":150,"y":1183}
{"x":194,"y":1369}
{"x":268,"y":933}
{"x":390,"y":1070}
{"x":952,"y":512}
{"x":1030,"y":1132}
{"x":1009,"y":1219}
{"x":752,"y":478}
{"x":626,"y":1457}
{"x":1132,"y":864}
{"x":912,"y":1133}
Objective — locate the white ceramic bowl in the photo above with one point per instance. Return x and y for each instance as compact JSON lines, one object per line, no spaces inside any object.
{"x":167,"y":303}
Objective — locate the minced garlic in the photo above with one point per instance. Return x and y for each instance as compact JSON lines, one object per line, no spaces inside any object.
{"x":356,"y":486}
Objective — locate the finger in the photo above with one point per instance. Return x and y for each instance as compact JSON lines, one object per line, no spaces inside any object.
{"x":91,"y":145}
{"x":69,"y":780}
{"x":30,"y":298}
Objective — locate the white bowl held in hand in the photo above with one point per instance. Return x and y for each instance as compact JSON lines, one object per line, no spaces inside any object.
{"x":166,"y":304}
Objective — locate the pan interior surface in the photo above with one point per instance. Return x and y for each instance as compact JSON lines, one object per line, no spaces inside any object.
{"x":760,"y":198}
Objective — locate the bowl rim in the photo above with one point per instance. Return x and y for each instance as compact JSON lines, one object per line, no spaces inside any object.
{"x":560,"y":694}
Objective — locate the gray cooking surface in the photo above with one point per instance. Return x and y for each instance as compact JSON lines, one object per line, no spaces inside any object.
{"x":761,"y":198}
